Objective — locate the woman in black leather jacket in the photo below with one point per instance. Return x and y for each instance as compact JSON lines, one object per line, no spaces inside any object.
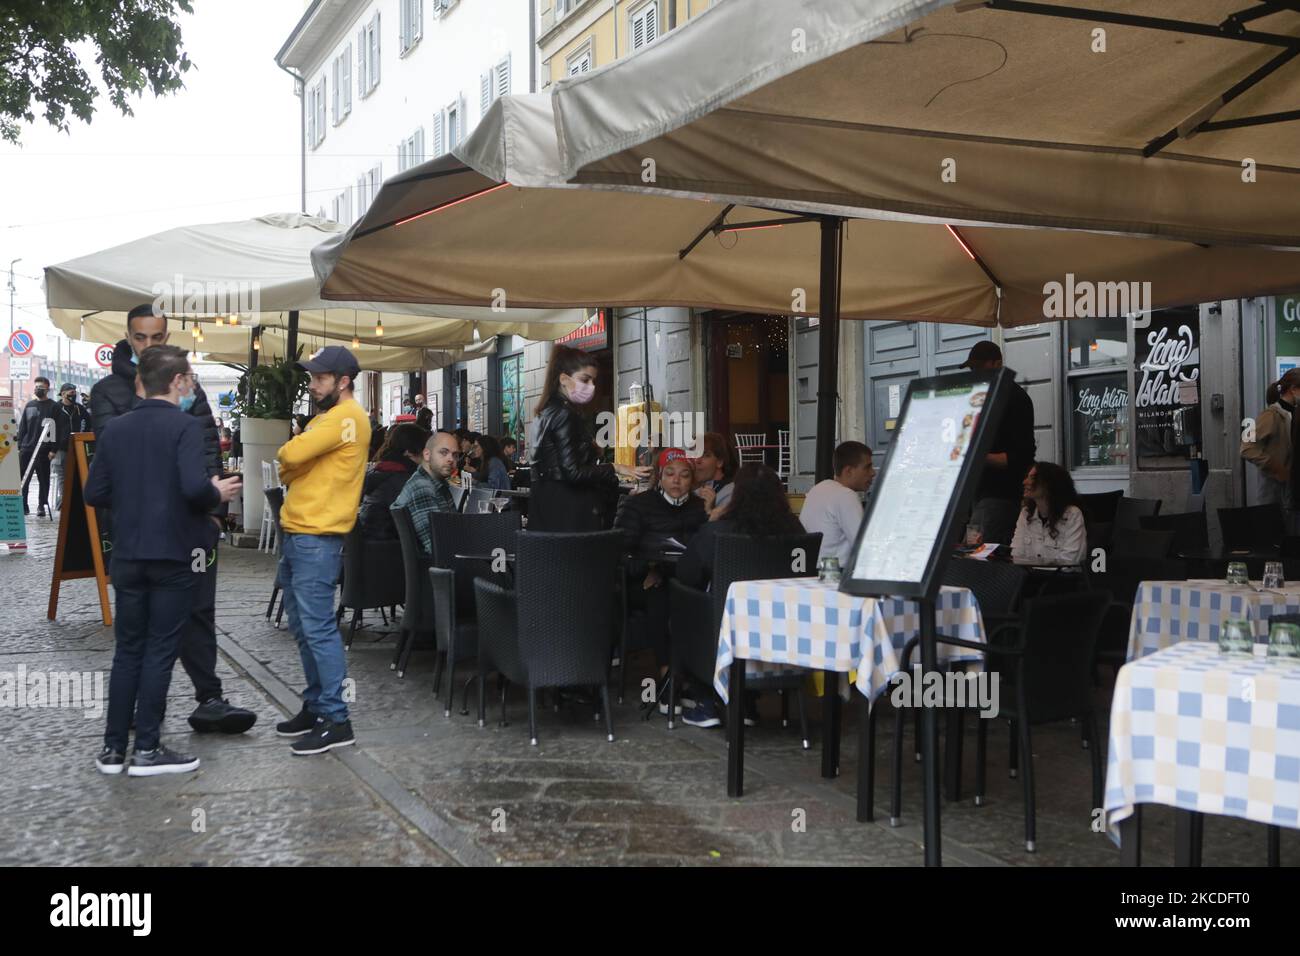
{"x":570,"y":485}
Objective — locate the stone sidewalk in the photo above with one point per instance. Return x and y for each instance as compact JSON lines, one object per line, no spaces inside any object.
{"x":423,"y":789}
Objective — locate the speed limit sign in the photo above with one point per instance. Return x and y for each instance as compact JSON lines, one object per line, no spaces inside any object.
{"x":104,"y":356}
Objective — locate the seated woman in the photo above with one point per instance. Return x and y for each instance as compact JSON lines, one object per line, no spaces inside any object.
{"x":668,"y":510}
{"x":492,"y":471}
{"x":714,"y":470}
{"x":1050,"y":529}
{"x":395,"y":461}
{"x":758,"y":506}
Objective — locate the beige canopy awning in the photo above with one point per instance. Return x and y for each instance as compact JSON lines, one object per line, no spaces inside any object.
{"x":1147,"y":117}
{"x":372,"y":358}
{"x":496,"y":219}
{"x":260,"y":269}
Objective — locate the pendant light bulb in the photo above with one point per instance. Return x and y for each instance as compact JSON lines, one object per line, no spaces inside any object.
{"x":379,"y":328}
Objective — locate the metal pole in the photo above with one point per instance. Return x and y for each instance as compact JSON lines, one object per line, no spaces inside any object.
{"x":930,"y":738}
{"x":12,"y":262}
{"x":828,"y":342}
{"x":291,"y":343}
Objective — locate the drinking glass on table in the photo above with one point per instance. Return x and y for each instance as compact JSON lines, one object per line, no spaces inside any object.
{"x":1273,"y":580}
{"x":1235,"y":637}
{"x":500,"y":504}
{"x":828,"y":570}
{"x":485,"y":506}
{"x":1237,"y":573}
{"x":1284,"y":640}
{"x":974,"y":536}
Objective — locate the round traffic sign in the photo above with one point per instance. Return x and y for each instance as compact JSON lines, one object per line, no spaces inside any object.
{"x":104,"y":356}
{"x":21,"y":342}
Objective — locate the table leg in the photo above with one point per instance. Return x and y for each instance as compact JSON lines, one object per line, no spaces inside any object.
{"x":736,"y":729}
{"x":1274,"y":846}
{"x":1189,"y":829}
{"x":831,"y":712}
{"x":952,"y":753}
{"x":1130,"y":839}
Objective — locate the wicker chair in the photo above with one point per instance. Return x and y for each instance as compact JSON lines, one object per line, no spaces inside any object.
{"x":372,"y":577}
{"x":564,"y":610}
{"x":417,"y":612}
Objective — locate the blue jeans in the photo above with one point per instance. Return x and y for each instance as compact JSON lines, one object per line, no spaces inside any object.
{"x":154,"y":600}
{"x":309,"y":573}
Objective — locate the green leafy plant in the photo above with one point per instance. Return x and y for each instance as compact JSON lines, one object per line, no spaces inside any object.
{"x":135,"y":43}
{"x":272,"y":390}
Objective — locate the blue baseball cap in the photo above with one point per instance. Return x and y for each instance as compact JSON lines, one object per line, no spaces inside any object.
{"x":335,"y":359}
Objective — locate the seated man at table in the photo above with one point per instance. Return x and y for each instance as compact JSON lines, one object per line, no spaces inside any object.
{"x":834,"y":506}
{"x":1050,"y":528}
{"x":758,"y":507}
{"x":427,"y":491}
{"x":648,"y":521}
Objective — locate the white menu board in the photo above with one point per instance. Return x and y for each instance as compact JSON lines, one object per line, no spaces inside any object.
{"x":912,"y":500}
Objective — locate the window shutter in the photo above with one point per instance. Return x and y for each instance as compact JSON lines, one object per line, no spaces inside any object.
{"x":320,"y":112}
{"x":345,"y":79}
{"x":461,"y":124}
{"x":310,"y":106}
{"x":638,"y":31}
{"x":363,"y":75}
{"x":651,"y":22}
{"x":361,"y":196}
{"x":334,"y":95}
{"x":503,"y":77}
{"x":439,"y":119}
{"x":374,"y":51}
{"x":484,"y":92}
{"x":419,"y":147}
{"x":417,"y":15}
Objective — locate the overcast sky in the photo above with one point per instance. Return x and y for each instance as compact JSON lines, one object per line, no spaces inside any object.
{"x":226,"y":147}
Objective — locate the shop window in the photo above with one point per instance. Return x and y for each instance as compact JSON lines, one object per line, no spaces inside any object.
{"x":1099,"y":420}
{"x":1097,"y":343}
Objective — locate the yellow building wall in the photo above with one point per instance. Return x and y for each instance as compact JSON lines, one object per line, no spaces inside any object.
{"x":603,"y":31}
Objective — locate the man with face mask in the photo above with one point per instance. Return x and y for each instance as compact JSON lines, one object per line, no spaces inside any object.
{"x":30,"y":428}
{"x":115,"y":395}
{"x":71,"y":419}
{"x":324,"y":470}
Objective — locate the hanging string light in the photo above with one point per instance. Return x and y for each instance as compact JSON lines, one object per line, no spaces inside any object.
{"x":379,"y":328}
{"x":356,"y":342}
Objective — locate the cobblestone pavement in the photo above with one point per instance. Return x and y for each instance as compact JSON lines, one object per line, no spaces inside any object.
{"x":423,"y":789}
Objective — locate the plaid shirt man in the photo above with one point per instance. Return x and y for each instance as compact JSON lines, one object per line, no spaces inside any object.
{"x":423,"y":494}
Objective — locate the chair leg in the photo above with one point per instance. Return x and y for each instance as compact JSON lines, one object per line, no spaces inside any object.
{"x":916,"y":733}
{"x":407,"y":648}
{"x":672,"y":696}
{"x":896,"y":785}
{"x":440,"y":658}
{"x":1274,"y":846}
{"x":802,"y":706}
{"x":1013,"y":757}
{"x":532,"y":715}
{"x":338,"y":614}
{"x":482,"y":701}
{"x":397,"y":651}
{"x":505,"y":684}
{"x":981,"y":758}
{"x":1026,"y":744}
{"x":464,"y":698}
{"x":1098,"y":773}
{"x":279,"y":612}
{"x":270,"y":607}
{"x":609,"y":714}
{"x":352,"y":628}
{"x":785,"y":708}
{"x":384,"y":615}
{"x":451,"y":675}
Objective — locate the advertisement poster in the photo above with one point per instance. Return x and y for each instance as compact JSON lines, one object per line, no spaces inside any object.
{"x":1287,"y":329}
{"x":13,"y":528}
{"x":1166,"y":401}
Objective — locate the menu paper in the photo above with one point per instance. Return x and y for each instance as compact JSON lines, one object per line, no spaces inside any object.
{"x":925,"y":464}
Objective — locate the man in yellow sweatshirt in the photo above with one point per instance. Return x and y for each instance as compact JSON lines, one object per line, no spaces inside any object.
{"x":323,"y":469}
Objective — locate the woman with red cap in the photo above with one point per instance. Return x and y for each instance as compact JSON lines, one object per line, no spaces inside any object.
{"x":648,"y":520}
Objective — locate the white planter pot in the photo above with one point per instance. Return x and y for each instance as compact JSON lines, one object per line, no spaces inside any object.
{"x":261,"y":438}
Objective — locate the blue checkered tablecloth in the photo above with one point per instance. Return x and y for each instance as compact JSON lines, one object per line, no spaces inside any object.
{"x":1198,"y":730}
{"x":1166,"y":612}
{"x":790,"y":623}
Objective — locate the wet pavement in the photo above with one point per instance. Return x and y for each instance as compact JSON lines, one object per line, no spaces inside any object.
{"x":421,"y":789}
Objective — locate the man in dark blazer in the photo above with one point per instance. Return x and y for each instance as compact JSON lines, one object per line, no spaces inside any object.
{"x":149,"y":469}
{"x":116,"y":394}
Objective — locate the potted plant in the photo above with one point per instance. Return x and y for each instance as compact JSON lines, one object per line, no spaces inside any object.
{"x":264,"y":402}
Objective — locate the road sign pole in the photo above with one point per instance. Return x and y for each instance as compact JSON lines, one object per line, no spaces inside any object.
{"x":12,"y":263}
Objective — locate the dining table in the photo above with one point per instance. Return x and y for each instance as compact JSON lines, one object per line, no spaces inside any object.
{"x":1166,"y":613}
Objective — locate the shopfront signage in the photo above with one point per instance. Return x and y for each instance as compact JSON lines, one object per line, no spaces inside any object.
{"x":589,"y":336}
{"x":1166,"y":401}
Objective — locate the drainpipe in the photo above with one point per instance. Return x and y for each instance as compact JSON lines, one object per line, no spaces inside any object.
{"x":299,"y":87}
{"x":614,"y":7}
{"x":532,"y":48}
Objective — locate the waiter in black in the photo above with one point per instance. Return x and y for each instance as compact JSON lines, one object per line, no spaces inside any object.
{"x":999,"y":494}
{"x":117,"y":394}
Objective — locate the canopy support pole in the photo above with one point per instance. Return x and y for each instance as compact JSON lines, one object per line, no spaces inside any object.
{"x":291,"y":344}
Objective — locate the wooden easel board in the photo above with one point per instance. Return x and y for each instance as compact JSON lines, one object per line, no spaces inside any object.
{"x":82,"y":543}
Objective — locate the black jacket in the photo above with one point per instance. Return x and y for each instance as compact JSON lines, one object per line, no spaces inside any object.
{"x":645,"y":517}
{"x":149,"y":471}
{"x":695,"y":567}
{"x":114,"y":395}
{"x":381,"y":488}
{"x":69,"y":419}
{"x":571,"y":487}
{"x":29,"y":426}
{"x":1015,"y":437}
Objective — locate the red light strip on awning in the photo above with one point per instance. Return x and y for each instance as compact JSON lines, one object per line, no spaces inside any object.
{"x":454,"y":202}
{"x":961,"y":242}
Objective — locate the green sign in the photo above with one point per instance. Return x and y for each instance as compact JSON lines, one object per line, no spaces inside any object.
{"x":1287,"y":332}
